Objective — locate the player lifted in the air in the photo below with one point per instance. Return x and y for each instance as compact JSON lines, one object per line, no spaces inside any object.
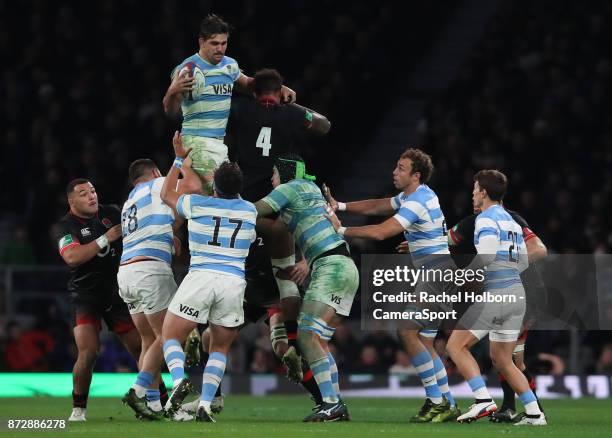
{"x":201,"y":89}
{"x":501,"y":249}
{"x":334,"y":276}
{"x":418,"y":215}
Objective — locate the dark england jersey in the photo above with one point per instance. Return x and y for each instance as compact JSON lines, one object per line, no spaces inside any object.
{"x":95,"y":280}
{"x":261,"y":132}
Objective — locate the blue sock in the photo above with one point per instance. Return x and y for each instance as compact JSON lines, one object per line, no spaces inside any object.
{"x":152,"y":394}
{"x":333,"y":371}
{"x":320,"y":370}
{"x":424,"y":366}
{"x":175,"y":359}
{"x":143,"y":381}
{"x":479,"y":388}
{"x":442,"y":379}
{"x":213,"y":374}
{"x":530,"y":402}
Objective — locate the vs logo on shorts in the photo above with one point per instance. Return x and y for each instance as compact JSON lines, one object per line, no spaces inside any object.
{"x":336,"y":299}
{"x":189,"y":310}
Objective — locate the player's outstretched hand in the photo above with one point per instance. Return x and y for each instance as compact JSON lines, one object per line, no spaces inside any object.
{"x":287,"y":95}
{"x":403,"y":248}
{"x":329,"y":198}
{"x":333,"y":219}
{"x":177,"y":144}
{"x":181,"y":84}
{"x":114,"y":233}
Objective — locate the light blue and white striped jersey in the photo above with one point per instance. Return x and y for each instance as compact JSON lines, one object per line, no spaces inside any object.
{"x":206,"y":109}
{"x":146,"y":223}
{"x":420,"y":215}
{"x":220,"y":232}
{"x":510,"y":252}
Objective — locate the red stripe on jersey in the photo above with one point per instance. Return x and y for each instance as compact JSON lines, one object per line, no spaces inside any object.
{"x":454,"y":237}
{"x":70,"y":245}
{"x":528,"y":234}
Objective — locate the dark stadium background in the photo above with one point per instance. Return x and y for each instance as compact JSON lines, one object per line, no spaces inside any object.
{"x":522,"y":86}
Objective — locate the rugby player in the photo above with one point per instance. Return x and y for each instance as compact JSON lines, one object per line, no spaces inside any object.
{"x":221,"y":229}
{"x":146,"y":281}
{"x":89,"y":242}
{"x":334,"y":276}
{"x":460,"y":237}
{"x":501,"y":249}
{"x":263,"y":129}
{"x":201,"y":88}
{"x":419,"y":216}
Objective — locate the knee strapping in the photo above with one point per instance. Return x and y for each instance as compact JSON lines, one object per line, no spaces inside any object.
{"x":316,"y":325}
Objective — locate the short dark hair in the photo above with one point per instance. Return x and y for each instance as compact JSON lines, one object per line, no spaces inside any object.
{"x":286,"y":164}
{"x":139,"y":168}
{"x":75,"y":182}
{"x":213,"y":24}
{"x":421,"y":162}
{"x":228,"y":180}
{"x":494,"y":182}
{"x":267,"y":80}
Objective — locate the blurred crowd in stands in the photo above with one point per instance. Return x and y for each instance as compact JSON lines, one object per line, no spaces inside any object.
{"x":82,"y":89}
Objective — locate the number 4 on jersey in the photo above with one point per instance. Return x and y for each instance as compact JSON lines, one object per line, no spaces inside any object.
{"x":264,"y":141}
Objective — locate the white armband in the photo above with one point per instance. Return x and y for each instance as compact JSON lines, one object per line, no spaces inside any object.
{"x":341,"y":231}
{"x":341,"y":206}
{"x":102,"y":241}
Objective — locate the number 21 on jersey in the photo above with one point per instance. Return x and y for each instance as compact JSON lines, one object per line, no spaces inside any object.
{"x":264,"y":141}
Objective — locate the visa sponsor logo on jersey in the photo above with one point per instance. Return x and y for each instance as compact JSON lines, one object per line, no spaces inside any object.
{"x":223,"y":88}
{"x":189,"y":310}
{"x":85,"y":232}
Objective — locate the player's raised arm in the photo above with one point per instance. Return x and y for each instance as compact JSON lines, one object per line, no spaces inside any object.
{"x":169,"y":194}
{"x":246,"y":84}
{"x":389,"y":228}
{"x":75,"y":254}
{"x":181,"y":83}
{"x":368,"y":207}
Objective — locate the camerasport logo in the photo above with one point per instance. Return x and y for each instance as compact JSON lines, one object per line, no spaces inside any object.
{"x":106,"y":222}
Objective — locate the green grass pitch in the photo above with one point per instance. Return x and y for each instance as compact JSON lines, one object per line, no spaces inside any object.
{"x":270,"y":416}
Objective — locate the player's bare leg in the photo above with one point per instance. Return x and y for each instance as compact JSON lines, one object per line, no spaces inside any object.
{"x":501,"y":356}
{"x":458,"y":348}
{"x":87,"y":341}
{"x":281,"y":248}
{"x":144,"y":396}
